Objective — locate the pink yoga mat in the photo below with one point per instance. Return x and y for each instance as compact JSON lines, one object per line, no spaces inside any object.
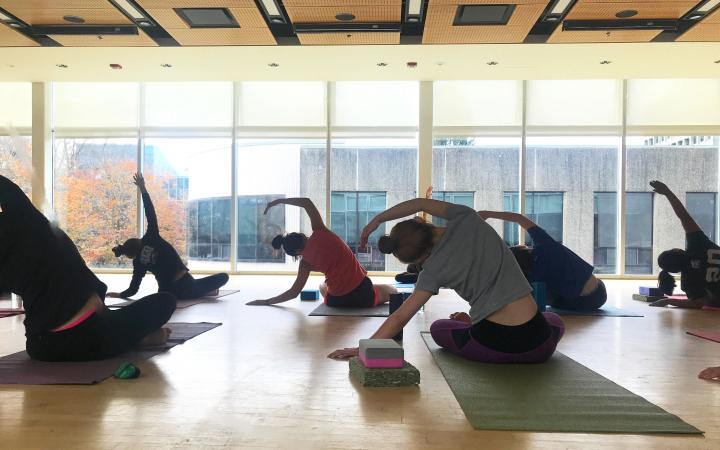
{"x":706,"y":334}
{"x":5,"y":312}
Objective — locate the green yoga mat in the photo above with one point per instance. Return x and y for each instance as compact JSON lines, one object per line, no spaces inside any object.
{"x":560,"y":395}
{"x":605,"y":311}
{"x":376,"y":311}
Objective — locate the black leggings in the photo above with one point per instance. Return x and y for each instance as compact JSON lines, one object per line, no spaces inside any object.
{"x":590,"y":302}
{"x":188,"y":287}
{"x":105,"y":333}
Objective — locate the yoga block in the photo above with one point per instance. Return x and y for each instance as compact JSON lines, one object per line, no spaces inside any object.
{"x":313,"y":294}
{"x":408,"y":375}
{"x":651,"y":291}
{"x":647,"y":298}
{"x":381,"y":354}
{"x":539,"y":293}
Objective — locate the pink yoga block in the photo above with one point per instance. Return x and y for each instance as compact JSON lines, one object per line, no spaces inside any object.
{"x":382,"y":363}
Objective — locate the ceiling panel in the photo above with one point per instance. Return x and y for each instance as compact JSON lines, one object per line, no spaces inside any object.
{"x":564,"y":37}
{"x":55,"y":4}
{"x":593,"y":10}
{"x":489,"y":2}
{"x":298,"y":3}
{"x":303,"y":14}
{"x":703,"y":32}
{"x":169,"y":4}
{"x":349,"y":38}
{"x":107,"y":16}
{"x":439,"y":27}
{"x":223,"y":36}
{"x":11,"y":38}
{"x":140,"y":40}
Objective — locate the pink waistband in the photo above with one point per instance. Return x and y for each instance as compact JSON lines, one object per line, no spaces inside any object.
{"x":77,"y":322}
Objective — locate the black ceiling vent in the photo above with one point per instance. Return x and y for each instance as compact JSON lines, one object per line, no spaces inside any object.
{"x":483,"y":14}
{"x":207,"y":17}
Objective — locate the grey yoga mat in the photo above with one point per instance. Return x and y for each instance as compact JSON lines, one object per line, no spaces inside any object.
{"x":184,"y":303}
{"x":605,"y":311}
{"x":375,"y":311}
{"x":560,"y":395}
{"x":18,"y":368}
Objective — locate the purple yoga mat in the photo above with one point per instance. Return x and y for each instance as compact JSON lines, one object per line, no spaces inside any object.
{"x":18,"y":368}
{"x":706,"y":334}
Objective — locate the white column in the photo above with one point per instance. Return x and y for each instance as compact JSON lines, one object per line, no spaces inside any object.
{"x":622,"y":162}
{"x":42,"y":149}
{"x":237,"y":86}
{"x":425,"y":138}
{"x":522,"y":158}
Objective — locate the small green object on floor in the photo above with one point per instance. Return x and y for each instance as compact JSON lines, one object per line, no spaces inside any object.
{"x":407,"y":376}
{"x":127,"y":371}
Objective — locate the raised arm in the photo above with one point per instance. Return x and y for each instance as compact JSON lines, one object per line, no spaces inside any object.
{"x":305,"y":203}
{"x":435,"y":208}
{"x":392,"y":324}
{"x":688,"y":223}
{"x":508,"y":217}
{"x":150,"y":215}
{"x":294,"y":291}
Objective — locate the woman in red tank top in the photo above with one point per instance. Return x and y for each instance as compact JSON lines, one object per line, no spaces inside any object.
{"x":346,"y":281}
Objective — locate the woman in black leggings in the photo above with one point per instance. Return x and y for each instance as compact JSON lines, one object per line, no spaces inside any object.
{"x":154,"y":254}
{"x":65,"y":317}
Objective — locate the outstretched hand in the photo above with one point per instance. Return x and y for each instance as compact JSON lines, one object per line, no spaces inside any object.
{"x":139,"y":181}
{"x":367,"y":231}
{"x":710,"y":374}
{"x":258,"y":303}
{"x":660,"y":187}
{"x":344,"y":353}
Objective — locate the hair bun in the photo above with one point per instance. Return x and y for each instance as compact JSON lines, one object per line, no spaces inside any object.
{"x":387,"y":245}
{"x":277,"y":242}
{"x":117,"y":250}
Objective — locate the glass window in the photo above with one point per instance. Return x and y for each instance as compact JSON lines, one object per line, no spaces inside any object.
{"x":15,"y":107}
{"x":376,"y":103}
{"x":685,"y":164}
{"x":605,"y":232}
{"x":282,"y":103}
{"x":486,"y":166}
{"x":568,"y":103}
{"x":189,"y":182}
{"x":486,"y":103}
{"x":578,"y":166}
{"x":269,"y":169}
{"x":195,"y":104}
{"x":350,"y":212}
{"x":460,"y":198}
{"x":16,"y":160}
{"x":703,"y":208}
{"x":95,"y":105}
{"x":543,"y":208}
{"x":94,"y":198}
{"x":673,"y":102}
{"x":376,"y":165}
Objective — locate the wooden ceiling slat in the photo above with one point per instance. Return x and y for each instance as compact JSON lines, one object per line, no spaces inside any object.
{"x":349,"y":38}
{"x":223,"y":36}
{"x":169,"y":4}
{"x":55,"y":16}
{"x":703,"y":32}
{"x":140,"y":40}
{"x":55,"y":4}
{"x":11,"y":38}
{"x":566,"y":37}
{"x":327,"y":15}
{"x":585,"y":10}
{"x":343,"y":3}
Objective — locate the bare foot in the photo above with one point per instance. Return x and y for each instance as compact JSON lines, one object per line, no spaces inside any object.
{"x":214,"y":293}
{"x":157,"y":337}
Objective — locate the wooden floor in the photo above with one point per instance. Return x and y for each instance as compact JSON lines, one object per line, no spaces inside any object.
{"x":262,"y":381}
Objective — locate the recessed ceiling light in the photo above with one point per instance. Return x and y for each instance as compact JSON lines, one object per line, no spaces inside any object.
{"x":116,"y":66}
{"x":15,"y":25}
{"x":413,"y":19}
{"x":62,"y":66}
{"x":382,"y":64}
{"x":73,"y":19}
{"x":626,"y":14}
{"x":345,"y":17}
{"x":492,"y":63}
{"x":277,"y":20}
{"x":696,"y":17}
{"x":605,"y":62}
{"x":439,"y":63}
{"x":144,"y":23}
{"x":717,"y":62}
{"x":273,"y":65}
{"x":166,"y":65}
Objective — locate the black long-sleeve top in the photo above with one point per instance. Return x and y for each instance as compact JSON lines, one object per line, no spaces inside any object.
{"x":40,"y":263}
{"x":156,"y":256}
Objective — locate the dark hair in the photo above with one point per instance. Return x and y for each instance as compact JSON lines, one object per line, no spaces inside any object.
{"x":291,"y":243}
{"x":523,"y":256}
{"x":409,"y":240}
{"x":666,"y":282}
{"x":131,"y":248}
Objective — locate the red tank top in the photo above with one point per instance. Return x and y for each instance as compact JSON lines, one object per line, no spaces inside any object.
{"x":327,"y":253}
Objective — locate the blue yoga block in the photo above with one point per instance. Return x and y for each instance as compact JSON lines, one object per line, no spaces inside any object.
{"x":651,"y":291}
{"x":312,"y":294}
{"x":540,"y":295}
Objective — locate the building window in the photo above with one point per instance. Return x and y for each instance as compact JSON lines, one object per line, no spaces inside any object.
{"x":543,"y":208}
{"x":638,"y":232}
{"x":702,"y":207}
{"x":350,"y":211}
{"x":460,"y":198}
{"x":256,"y":230}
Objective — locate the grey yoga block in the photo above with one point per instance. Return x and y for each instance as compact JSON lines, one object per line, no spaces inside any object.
{"x":381,"y":349}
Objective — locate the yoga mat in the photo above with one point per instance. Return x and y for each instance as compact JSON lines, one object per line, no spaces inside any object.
{"x":184,"y":303}
{"x":404,"y":286}
{"x":706,"y":334}
{"x":18,"y":368}
{"x":560,"y":395}
{"x":606,"y":311}
{"x":9,"y":312}
{"x":375,"y":311}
